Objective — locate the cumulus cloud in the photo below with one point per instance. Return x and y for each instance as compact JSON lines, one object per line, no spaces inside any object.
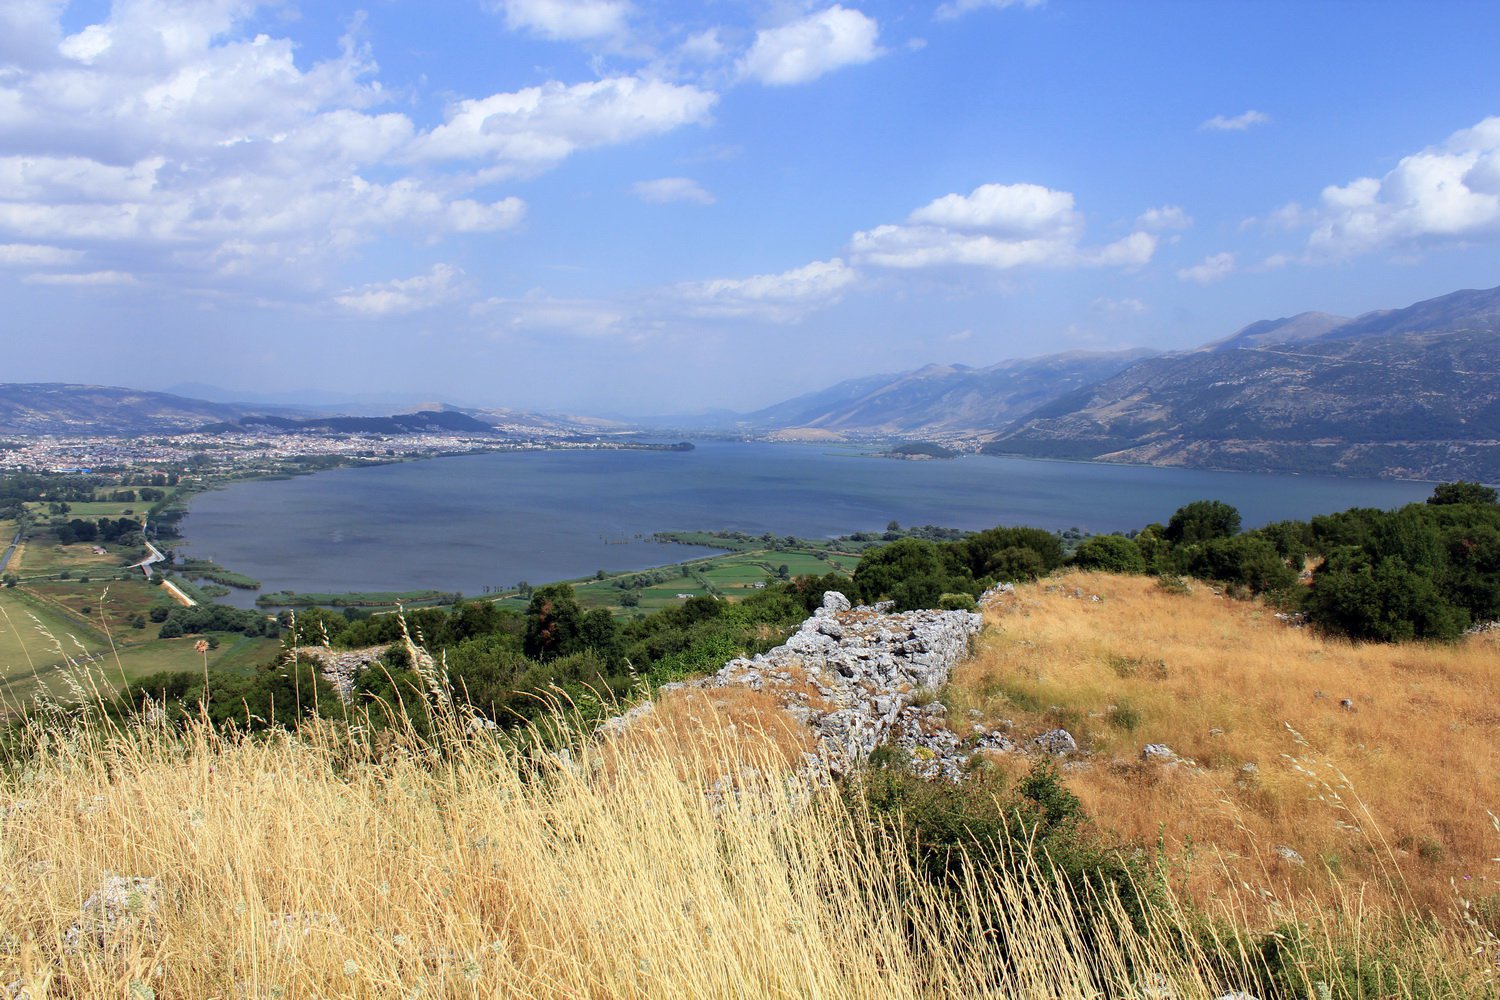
{"x":807,"y":48}
{"x":664,"y":190}
{"x":958,"y":8}
{"x":1445,"y":193}
{"x":998,"y":226}
{"x":535,"y":128}
{"x":403,"y":295}
{"x":784,"y":297}
{"x":1238,"y":123}
{"x":1164,"y":218}
{"x":168,"y":141}
{"x":1209,"y":270}
{"x":567,"y":20}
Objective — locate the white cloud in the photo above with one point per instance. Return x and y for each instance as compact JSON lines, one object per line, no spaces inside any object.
{"x":805,"y":49}
{"x":32,"y":255}
{"x":168,"y":141}
{"x":532,"y":129}
{"x":404,"y":295}
{"x":783,"y":297}
{"x":704,"y":47}
{"x":958,"y":8}
{"x":998,"y":226}
{"x":1209,"y":270}
{"x":1164,"y":218}
{"x":1445,"y":193}
{"x":1238,"y":123}
{"x":85,"y":279}
{"x":567,"y":20}
{"x":575,"y":317}
{"x":664,"y":190}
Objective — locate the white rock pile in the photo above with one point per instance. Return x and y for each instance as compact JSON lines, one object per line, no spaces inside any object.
{"x":855,"y":676}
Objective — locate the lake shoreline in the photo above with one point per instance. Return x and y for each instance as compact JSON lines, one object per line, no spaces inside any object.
{"x":494,"y":519}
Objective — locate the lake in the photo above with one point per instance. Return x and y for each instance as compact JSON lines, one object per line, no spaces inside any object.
{"x":473,"y":521}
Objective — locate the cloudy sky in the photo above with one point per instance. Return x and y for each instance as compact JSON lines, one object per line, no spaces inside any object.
{"x":631,"y":206}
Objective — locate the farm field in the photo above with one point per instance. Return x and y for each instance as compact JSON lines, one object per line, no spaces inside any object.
{"x":41,"y":555}
{"x":93,"y":509}
{"x":733,"y":575}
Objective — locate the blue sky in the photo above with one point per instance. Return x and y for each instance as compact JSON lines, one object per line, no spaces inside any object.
{"x":626,"y":206}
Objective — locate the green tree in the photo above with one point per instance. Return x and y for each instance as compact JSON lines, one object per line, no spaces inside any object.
{"x":1109,"y":554}
{"x":1463,"y":492}
{"x":554,"y":622}
{"x":912,"y":572}
{"x":1248,"y":560}
{"x":1202,"y":521}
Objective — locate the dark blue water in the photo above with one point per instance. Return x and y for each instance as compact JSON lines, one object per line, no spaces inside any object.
{"x":492,"y":520}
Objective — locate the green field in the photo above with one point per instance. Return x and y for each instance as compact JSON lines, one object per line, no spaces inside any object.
{"x":92,"y":510}
{"x":364,"y":599}
{"x":43,"y":648}
{"x":730,"y":576}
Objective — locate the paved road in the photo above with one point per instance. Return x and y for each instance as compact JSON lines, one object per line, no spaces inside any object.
{"x":5,"y":559}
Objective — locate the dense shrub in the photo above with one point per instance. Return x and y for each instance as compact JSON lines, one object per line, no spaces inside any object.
{"x":1202,"y":521}
{"x":1109,"y":554}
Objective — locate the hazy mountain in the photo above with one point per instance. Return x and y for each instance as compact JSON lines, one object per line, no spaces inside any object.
{"x":942,"y":400}
{"x":1411,"y":392}
{"x":58,"y":408}
{"x":1287,"y":330}
{"x":420,"y":422}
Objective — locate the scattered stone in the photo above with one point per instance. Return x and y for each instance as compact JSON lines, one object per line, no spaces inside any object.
{"x":120,"y":908}
{"x":1347,"y":704}
{"x":1249,"y":768}
{"x":1057,"y":741}
{"x":1216,"y":731}
{"x":1159,"y":753}
{"x":1288,"y":855}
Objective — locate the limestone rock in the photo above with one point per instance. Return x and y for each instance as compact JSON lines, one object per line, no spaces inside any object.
{"x":118,"y":909}
{"x":1057,"y":741}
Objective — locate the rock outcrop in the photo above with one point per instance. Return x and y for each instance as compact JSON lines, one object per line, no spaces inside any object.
{"x":854,"y":676}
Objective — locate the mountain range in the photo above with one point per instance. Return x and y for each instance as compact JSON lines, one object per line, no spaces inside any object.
{"x":1411,"y":393}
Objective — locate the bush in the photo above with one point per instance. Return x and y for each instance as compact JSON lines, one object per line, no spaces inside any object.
{"x":950,"y":827}
{"x":1248,"y":560}
{"x":1202,"y":521}
{"x":1109,"y":554}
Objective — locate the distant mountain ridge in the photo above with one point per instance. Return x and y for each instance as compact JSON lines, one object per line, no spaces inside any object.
{"x":97,"y":411}
{"x":942,"y":400}
{"x":1409,"y":393}
{"x":83,"y":410}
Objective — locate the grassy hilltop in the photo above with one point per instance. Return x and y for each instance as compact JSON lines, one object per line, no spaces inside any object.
{"x":343,"y":858}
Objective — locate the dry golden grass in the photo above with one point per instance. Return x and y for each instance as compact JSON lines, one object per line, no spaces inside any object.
{"x":694,"y":725}
{"x":349,"y":860}
{"x":1389,"y":795}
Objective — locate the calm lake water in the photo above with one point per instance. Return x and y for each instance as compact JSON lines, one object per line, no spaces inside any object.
{"x":469,"y":522}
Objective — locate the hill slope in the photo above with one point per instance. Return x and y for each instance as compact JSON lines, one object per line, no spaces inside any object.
{"x":1411,"y":392}
{"x":943,"y":400}
{"x":60,"y":408}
